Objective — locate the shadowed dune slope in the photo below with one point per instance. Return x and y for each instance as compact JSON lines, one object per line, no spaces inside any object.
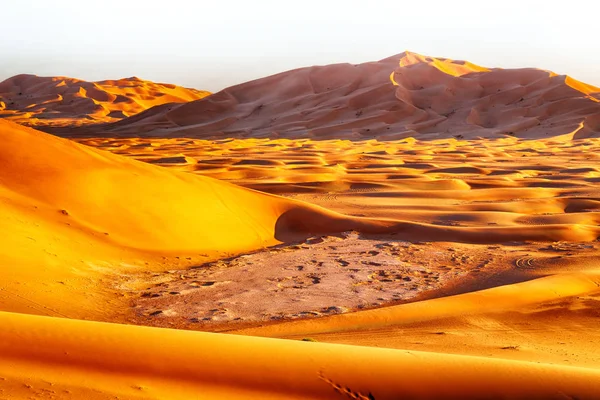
{"x":407,"y":95}
{"x":70,"y":215}
{"x":136,"y":205}
{"x":80,"y":359}
{"x":60,"y":101}
{"x":141,"y":206}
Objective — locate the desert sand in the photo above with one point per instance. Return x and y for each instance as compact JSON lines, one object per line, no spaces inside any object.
{"x":409,"y":228}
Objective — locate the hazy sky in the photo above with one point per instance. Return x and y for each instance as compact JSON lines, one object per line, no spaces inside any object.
{"x":217,"y":43}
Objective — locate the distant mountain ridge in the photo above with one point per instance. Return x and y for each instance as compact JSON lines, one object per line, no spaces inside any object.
{"x":61,"y":101}
{"x":406,"y":95}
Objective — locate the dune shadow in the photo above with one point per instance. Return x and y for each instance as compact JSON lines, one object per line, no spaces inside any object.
{"x":300,"y":223}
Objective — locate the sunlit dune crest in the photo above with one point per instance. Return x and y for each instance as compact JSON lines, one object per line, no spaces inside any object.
{"x":592,"y":91}
{"x":450,"y":67}
{"x":62,"y":101}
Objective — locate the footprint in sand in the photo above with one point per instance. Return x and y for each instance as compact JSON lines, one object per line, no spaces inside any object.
{"x":342,"y":262}
{"x":525,"y":263}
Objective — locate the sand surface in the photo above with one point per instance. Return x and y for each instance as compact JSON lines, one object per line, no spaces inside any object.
{"x":59,"y":358}
{"x":402,"y":255}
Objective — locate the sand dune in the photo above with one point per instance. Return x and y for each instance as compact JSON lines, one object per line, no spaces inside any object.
{"x":513,"y":297}
{"x":533,"y":201}
{"x":344,"y":274}
{"x":509,"y":189}
{"x":551,"y":319}
{"x":52,"y":357}
{"x":407,"y":95}
{"x":65,"y":203}
{"x":60,"y":101}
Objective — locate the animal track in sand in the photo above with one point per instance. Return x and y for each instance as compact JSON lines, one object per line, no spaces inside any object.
{"x":345,"y":390}
{"x":567,"y":247}
{"x":295,"y":282}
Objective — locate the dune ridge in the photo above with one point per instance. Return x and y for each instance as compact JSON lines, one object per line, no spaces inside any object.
{"x":66,"y":102}
{"x":501,"y":298}
{"x":106,"y":360}
{"x":407,"y":95}
{"x":551,"y":319}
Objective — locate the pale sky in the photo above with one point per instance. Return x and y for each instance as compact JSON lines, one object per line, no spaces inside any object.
{"x":218,"y":43}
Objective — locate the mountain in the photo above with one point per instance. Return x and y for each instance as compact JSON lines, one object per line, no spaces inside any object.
{"x":59,"y":101}
{"x":401,"y":96}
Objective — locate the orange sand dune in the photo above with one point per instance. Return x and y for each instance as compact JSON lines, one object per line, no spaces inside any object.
{"x":501,"y":298}
{"x":58,"y":358}
{"x":407,"y":95}
{"x":72,"y":214}
{"x":106,"y":215}
{"x":60,"y":101}
{"x":65,"y":204}
{"x":551,"y":319}
{"x":489,"y":191}
{"x":503,"y":192}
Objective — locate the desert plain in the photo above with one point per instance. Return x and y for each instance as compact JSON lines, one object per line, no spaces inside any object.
{"x":415,"y":227}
